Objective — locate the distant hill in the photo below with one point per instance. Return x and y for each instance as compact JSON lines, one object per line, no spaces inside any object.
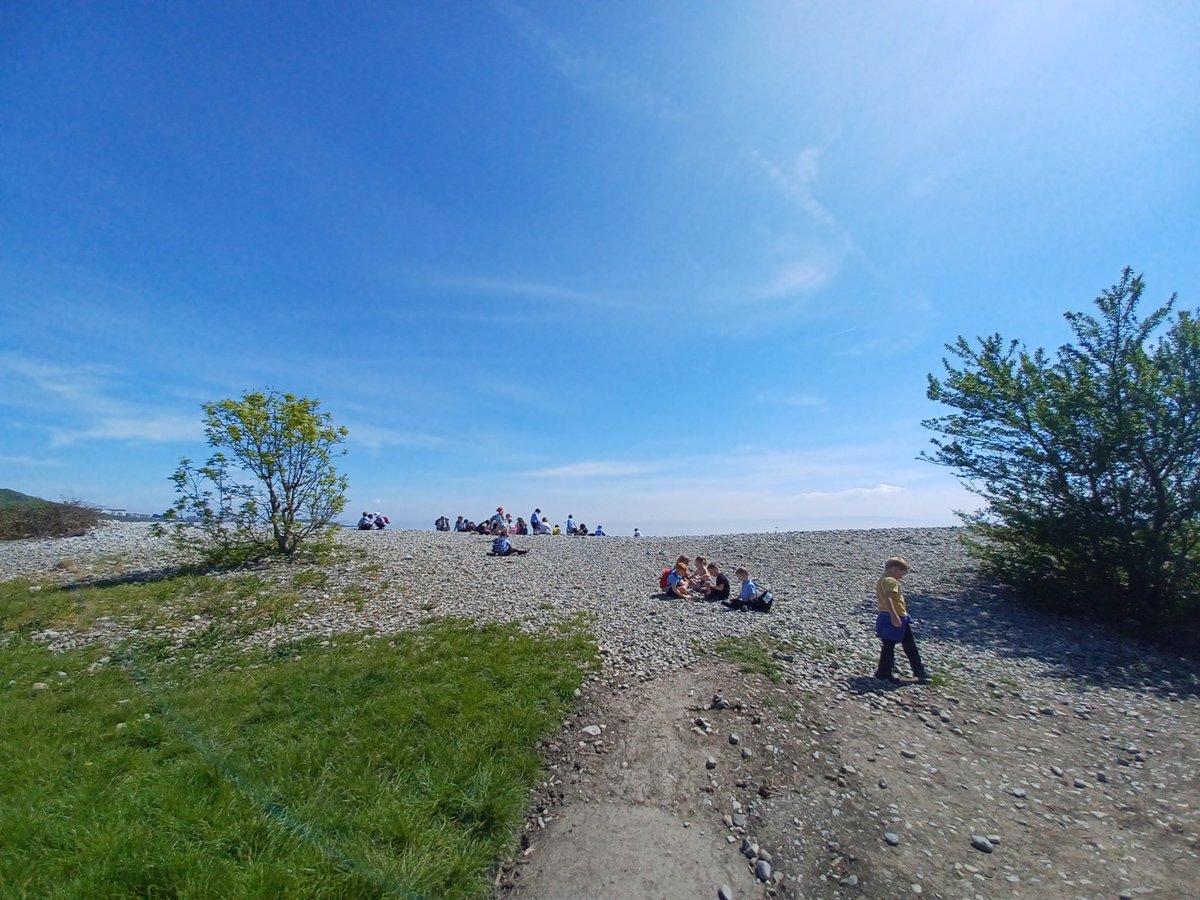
{"x":10,"y":499}
{"x":24,"y":516}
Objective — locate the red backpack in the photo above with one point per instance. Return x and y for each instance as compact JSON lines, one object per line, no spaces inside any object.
{"x":662,"y":580}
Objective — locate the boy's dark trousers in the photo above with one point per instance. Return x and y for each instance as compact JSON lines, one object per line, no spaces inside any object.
{"x":887,"y":655}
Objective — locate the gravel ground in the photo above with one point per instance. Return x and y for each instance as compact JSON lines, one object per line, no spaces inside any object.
{"x":1070,"y":752}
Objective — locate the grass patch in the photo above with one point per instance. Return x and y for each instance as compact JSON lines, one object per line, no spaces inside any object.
{"x":367,"y":768}
{"x":753,"y":654}
{"x":310,"y":578}
{"x":238,"y":605}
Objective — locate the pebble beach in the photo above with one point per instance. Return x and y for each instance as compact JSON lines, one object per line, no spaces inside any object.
{"x":1048,"y":759}
{"x":822,"y":580}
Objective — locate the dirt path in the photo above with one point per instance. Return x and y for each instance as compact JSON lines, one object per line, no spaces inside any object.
{"x":869,"y":792}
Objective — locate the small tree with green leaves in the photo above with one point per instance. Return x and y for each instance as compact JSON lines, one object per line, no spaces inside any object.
{"x":269,"y":487}
{"x":1089,"y":462}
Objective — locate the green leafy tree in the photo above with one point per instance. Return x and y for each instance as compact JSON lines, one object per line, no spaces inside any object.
{"x":1089,"y":462}
{"x":269,"y":487}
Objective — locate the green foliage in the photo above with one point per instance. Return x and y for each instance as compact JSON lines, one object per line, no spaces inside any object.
{"x":269,"y":487}
{"x":23,"y":516}
{"x":1089,"y":461}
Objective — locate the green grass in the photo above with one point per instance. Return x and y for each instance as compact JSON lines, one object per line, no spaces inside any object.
{"x":752,"y":654}
{"x":368,"y":768}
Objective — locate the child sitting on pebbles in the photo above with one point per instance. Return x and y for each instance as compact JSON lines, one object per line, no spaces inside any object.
{"x":501,"y":546}
{"x":677,"y":581}
{"x":750,"y":597}
{"x":718,"y":586}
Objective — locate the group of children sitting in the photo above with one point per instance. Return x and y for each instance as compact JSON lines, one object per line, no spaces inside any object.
{"x":369,"y":521}
{"x":708,"y":582}
{"x":502,"y":521}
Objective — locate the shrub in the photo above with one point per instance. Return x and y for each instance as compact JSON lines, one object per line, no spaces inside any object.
{"x":1089,"y":462}
{"x":275,"y":490}
{"x":36,"y":518}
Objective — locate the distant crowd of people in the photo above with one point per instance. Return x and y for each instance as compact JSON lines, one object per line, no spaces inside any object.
{"x":501,"y":522}
{"x":373,"y":521}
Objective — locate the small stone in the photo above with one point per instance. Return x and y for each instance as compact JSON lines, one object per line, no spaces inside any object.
{"x":739,"y":820}
{"x":1019,"y":793}
{"x":40,"y":686}
{"x":908,"y":754}
{"x":734,"y":738}
{"x":916,"y":888}
{"x":764,"y":855}
{"x":591,"y":730}
{"x":852,"y":880}
{"x":710,"y":763}
{"x":747,"y":753}
{"x":762,"y":871}
{"x":724,"y":892}
{"x":883,"y":784}
{"x":891,"y":837}
{"x":1102,"y":777}
{"x":982,"y":844}
{"x":718,"y":702}
{"x":1079,"y":783}
{"x":1057,"y":771}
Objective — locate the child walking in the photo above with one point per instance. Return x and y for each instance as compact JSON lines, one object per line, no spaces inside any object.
{"x":892,"y":625}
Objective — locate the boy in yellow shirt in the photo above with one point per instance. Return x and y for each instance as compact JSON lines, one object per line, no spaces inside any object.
{"x":892,"y":624}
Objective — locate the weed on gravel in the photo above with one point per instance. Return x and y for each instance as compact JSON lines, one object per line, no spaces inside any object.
{"x":754,"y":653}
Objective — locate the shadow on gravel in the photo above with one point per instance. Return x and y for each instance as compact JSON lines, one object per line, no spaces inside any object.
{"x":152,"y":576}
{"x":147,"y":576}
{"x":867,"y":684}
{"x":988,"y":617}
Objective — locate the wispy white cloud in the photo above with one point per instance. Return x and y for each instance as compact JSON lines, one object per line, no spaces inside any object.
{"x":797,"y":185}
{"x":528,"y":289}
{"x":799,"y":400}
{"x":31,"y":461}
{"x":798,"y":277}
{"x":375,"y":438}
{"x":877,"y":490}
{"x":86,"y":394}
{"x":586,"y":70}
{"x":76,"y":385}
{"x":595,"y":469}
{"x":148,"y":428}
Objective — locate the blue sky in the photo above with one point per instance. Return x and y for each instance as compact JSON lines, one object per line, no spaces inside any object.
{"x":681,"y":265}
